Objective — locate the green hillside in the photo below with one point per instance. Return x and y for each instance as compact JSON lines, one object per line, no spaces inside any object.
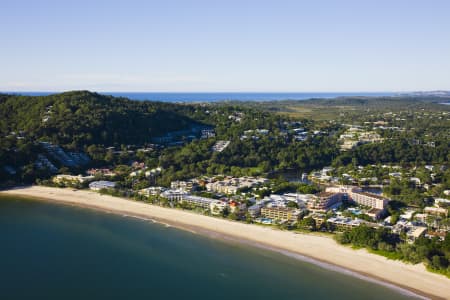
{"x":83,"y":118}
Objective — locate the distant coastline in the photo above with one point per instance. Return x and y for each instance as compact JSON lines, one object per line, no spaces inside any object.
{"x":222,"y":96}
{"x":412,"y":277}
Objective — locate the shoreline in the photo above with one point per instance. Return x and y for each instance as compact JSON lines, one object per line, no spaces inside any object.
{"x":413,"y":280}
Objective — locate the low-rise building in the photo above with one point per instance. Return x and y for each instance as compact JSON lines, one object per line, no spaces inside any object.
{"x":342,"y":224}
{"x":61,"y":178}
{"x":102,"y":184}
{"x":441,"y":202}
{"x":207,"y":133}
{"x":415,"y":232}
{"x":375,"y":213}
{"x":219,"y":146}
{"x":436,"y":211}
{"x":102,"y":172}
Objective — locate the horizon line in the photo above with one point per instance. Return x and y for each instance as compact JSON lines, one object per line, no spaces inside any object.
{"x":223,"y":92}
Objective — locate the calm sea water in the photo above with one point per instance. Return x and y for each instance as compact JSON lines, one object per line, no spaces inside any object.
{"x":212,"y":97}
{"x":50,"y":251}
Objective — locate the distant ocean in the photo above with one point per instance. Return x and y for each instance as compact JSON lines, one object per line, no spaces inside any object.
{"x":213,"y":97}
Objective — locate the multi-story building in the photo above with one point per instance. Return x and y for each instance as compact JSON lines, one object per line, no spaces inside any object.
{"x":324,"y":201}
{"x":236,"y":207}
{"x":217,"y":206}
{"x":355,"y":194}
{"x":280,"y":213}
{"x":232,"y":185}
{"x":319,"y":218}
{"x":152,"y":191}
{"x":343,"y":189}
{"x":186,"y":186}
{"x":255,"y":209}
{"x":198,"y":201}
{"x":173,"y":195}
{"x":368,"y":199}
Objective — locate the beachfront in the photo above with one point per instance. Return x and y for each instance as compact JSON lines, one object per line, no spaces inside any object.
{"x":413,"y":277}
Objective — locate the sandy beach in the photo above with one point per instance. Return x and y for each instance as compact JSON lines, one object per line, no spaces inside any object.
{"x":412,"y":277}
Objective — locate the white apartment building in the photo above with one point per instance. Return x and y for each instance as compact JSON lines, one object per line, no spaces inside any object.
{"x":368,"y":199}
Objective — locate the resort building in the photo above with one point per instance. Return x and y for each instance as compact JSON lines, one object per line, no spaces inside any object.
{"x":324,"y":201}
{"x":208,"y":133}
{"x":436,"y":211}
{"x":355,"y":194}
{"x":342,"y":224}
{"x":300,"y":199}
{"x":415,"y":232}
{"x":71,"y":178}
{"x":255,"y":210}
{"x":219,"y":146}
{"x":236,"y":207}
{"x":186,"y":186}
{"x":173,"y":195}
{"x":71,"y":159}
{"x":101,"y":172}
{"x":217,"y":207}
{"x":152,"y":191}
{"x":198,"y":201}
{"x":99,"y":185}
{"x":275,"y":200}
{"x":319,"y":218}
{"x":280,"y":213}
{"x":375,"y":213}
{"x":343,"y":189}
{"x":368,"y":199}
{"x":42,"y":162}
{"x":232,"y":185}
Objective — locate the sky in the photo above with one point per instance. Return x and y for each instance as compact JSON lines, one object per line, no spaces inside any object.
{"x":225,"y":46}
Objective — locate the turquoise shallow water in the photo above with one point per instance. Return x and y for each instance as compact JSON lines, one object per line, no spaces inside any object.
{"x":50,"y":251}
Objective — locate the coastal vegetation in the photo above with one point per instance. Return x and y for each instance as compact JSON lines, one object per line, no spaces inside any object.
{"x":111,"y":131}
{"x":435,"y":253}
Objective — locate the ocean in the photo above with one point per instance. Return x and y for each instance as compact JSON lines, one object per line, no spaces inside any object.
{"x":214,"y":97}
{"x":52,"y":251}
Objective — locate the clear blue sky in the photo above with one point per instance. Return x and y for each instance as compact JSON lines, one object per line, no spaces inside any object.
{"x":322,"y":46}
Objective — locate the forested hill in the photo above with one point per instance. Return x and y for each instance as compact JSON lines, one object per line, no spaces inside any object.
{"x":81,"y":118}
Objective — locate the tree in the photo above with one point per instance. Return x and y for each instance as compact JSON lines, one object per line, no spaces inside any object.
{"x":307,"y":223}
{"x":292,"y":204}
